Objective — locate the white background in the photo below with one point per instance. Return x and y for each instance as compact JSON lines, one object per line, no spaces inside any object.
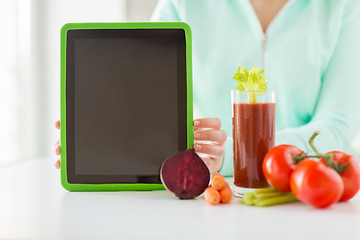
{"x":30,"y":66}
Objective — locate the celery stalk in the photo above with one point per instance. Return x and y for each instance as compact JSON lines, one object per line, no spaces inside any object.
{"x":268,"y":195}
{"x":287,"y":198}
{"x":252,"y":97}
{"x":249,"y":198}
{"x":265,"y":190}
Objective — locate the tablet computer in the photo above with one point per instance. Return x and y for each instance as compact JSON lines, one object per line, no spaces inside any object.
{"x":126,"y":103}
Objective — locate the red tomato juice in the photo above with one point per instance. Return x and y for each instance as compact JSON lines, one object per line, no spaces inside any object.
{"x":254,"y":136}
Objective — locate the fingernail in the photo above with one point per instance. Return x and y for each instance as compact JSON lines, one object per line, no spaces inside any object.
{"x":57,"y":124}
{"x":196,"y":123}
{"x":58,"y":150}
{"x":196,"y":135}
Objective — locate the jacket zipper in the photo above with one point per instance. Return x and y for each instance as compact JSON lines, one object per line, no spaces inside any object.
{"x":263,"y":49}
{"x":264,"y":34}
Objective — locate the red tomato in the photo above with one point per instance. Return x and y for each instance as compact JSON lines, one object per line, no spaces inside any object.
{"x":314,"y":183}
{"x":351,"y":175}
{"x":278,"y":165}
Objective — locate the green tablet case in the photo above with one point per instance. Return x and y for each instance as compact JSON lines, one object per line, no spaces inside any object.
{"x":63,"y":103}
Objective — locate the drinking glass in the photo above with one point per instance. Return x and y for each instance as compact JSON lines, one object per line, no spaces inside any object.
{"x":253,"y":118}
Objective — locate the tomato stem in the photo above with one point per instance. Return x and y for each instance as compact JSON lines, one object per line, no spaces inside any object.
{"x":343,"y":168}
{"x":311,"y":142}
{"x":298,"y":159}
{"x":329,"y":158}
{"x":336,"y":166}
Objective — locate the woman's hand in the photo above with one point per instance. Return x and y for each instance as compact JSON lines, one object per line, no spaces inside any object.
{"x":209,"y":142}
{"x":57,"y":146}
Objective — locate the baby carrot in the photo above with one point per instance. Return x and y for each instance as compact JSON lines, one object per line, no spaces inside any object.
{"x":218,"y":181}
{"x":215,"y":174}
{"x":226,"y":195}
{"x":212,"y":196}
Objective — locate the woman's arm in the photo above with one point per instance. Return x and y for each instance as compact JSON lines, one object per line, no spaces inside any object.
{"x":337,"y":114}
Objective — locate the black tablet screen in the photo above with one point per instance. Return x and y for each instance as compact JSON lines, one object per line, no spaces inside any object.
{"x":126,"y":103}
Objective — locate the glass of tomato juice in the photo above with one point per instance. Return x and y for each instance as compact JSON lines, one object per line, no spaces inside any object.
{"x":253,"y":120}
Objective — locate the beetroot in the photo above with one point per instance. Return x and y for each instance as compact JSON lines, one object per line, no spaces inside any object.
{"x":185,"y":174}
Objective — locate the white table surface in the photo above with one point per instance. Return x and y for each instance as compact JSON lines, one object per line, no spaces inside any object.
{"x":33,"y":205}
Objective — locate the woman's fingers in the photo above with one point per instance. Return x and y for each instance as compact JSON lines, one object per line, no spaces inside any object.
{"x":57,"y":147}
{"x":57,"y":124}
{"x":208,"y":130}
{"x":211,"y":135}
{"x":210,"y":149}
{"x":57,"y":164}
{"x":213,"y":164}
{"x":213,"y":123}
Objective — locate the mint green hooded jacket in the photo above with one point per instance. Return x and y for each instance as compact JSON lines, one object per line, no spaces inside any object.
{"x":310,"y":53}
